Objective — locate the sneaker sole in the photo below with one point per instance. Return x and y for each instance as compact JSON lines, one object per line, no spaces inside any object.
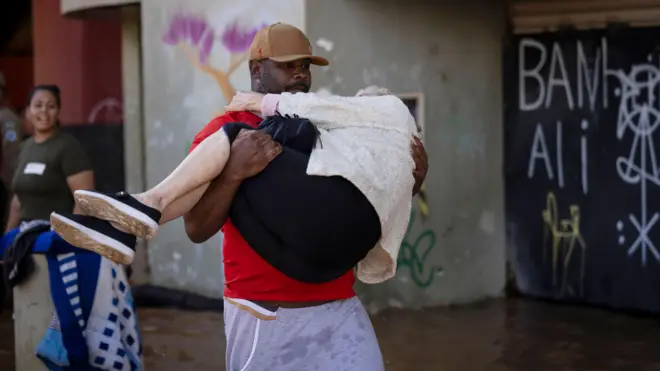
{"x":125,"y":217}
{"x":85,"y":238}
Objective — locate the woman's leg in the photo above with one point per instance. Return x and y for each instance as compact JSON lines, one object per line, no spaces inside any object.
{"x":198,"y":168}
{"x":174,"y":196}
{"x":183,"y":204}
{"x":141,"y":214}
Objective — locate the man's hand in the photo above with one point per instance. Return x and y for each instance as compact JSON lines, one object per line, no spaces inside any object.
{"x":421,"y":163}
{"x":245,"y":101}
{"x":251,"y":152}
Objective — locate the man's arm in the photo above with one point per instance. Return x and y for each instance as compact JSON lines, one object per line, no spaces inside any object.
{"x":251,"y":152}
{"x":209,"y":215}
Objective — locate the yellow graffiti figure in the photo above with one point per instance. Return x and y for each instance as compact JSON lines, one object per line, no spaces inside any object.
{"x":565,"y":235}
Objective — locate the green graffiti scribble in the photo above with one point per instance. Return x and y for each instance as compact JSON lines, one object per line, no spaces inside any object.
{"x":415,"y":255}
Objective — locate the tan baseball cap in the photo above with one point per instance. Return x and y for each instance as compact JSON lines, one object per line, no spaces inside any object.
{"x":282,"y":42}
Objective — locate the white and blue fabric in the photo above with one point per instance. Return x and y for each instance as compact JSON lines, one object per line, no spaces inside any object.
{"x":95,"y":325}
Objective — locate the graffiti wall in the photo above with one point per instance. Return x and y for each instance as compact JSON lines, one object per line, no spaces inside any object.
{"x":194,"y":59}
{"x":582,"y":170}
{"x":447,"y":68}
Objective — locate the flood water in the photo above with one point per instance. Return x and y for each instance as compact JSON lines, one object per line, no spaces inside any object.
{"x":497,"y":335}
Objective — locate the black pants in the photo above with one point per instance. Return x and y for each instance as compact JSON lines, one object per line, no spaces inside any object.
{"x":311,"y":228}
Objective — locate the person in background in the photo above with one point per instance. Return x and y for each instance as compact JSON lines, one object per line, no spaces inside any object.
{"x":51,"y":164}
{"x":10,"y":126}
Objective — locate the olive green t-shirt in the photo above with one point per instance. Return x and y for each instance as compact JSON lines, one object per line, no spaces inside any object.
{"x":40,"y":181}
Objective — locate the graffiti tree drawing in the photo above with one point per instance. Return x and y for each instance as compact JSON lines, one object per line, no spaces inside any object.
{"x":197,"y":38}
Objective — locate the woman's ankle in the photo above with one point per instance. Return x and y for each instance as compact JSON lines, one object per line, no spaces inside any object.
{"x":151,"y":200}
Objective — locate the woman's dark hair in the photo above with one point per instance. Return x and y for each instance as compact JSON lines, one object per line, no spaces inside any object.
{"x":53,"y":89}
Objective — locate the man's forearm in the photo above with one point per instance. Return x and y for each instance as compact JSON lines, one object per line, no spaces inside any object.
{"x":212,"y":210}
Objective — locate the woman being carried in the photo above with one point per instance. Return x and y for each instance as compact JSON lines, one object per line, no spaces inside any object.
{"x":340,"y":186}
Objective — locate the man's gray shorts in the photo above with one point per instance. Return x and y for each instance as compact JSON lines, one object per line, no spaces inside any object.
{"x":337,"y":336}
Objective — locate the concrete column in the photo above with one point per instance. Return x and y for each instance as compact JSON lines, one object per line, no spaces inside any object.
{"x":134,"y":121}
{"x":33,"y":311}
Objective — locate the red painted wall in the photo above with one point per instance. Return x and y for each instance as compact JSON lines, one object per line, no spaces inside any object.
{"x":82,"y":57}
{"x":18,"y":75}
{"x":102,"y":67}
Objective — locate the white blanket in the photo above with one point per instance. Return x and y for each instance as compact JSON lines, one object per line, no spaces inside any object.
{"x":367,"y":141}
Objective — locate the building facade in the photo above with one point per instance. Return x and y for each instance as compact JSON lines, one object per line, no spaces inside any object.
{"x":531,"y":113}
{"x":444,"y":60}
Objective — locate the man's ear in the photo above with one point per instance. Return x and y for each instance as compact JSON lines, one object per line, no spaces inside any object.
{"x":255,"y":69}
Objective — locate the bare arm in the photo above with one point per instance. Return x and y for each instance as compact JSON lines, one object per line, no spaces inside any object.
{"x":14,"y":214}
{"x":83,"y":180}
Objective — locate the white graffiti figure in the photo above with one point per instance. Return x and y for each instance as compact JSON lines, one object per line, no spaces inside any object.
{"x":639,"y":115}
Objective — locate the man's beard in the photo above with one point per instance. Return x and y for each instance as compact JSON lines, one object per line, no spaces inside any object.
{"x":291,"y":88}
{"x":297,"y":88}
{"x":294,"y":88}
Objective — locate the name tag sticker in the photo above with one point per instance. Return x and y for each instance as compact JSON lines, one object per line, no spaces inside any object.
{"x":35,"y":168}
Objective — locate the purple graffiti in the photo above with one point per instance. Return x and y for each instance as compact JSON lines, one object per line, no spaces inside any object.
{"x":193,"y":30}
{"x":238,"y":40}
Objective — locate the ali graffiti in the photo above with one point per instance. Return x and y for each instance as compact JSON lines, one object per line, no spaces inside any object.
{"x":414,"y":255}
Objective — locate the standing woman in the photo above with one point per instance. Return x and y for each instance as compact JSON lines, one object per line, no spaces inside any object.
{"x":51,"y":165}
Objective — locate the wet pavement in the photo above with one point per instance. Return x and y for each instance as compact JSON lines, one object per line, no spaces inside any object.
{"x":498,"y":335}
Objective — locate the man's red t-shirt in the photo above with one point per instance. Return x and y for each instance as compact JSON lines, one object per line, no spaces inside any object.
{"x":247,"y":275}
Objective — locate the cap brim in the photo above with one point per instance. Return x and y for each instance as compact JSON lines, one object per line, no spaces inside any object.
{"x":316,"y":60}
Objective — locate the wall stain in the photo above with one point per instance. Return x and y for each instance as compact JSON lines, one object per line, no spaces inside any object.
{"x":467,"y":137}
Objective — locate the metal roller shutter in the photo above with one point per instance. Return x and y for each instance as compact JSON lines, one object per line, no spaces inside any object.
{"x":533,"y":16}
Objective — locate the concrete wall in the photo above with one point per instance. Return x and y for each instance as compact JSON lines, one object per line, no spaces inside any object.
{"x":451,"y":52}
{"x":134,"y":148}
{"x":180,"y":98}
